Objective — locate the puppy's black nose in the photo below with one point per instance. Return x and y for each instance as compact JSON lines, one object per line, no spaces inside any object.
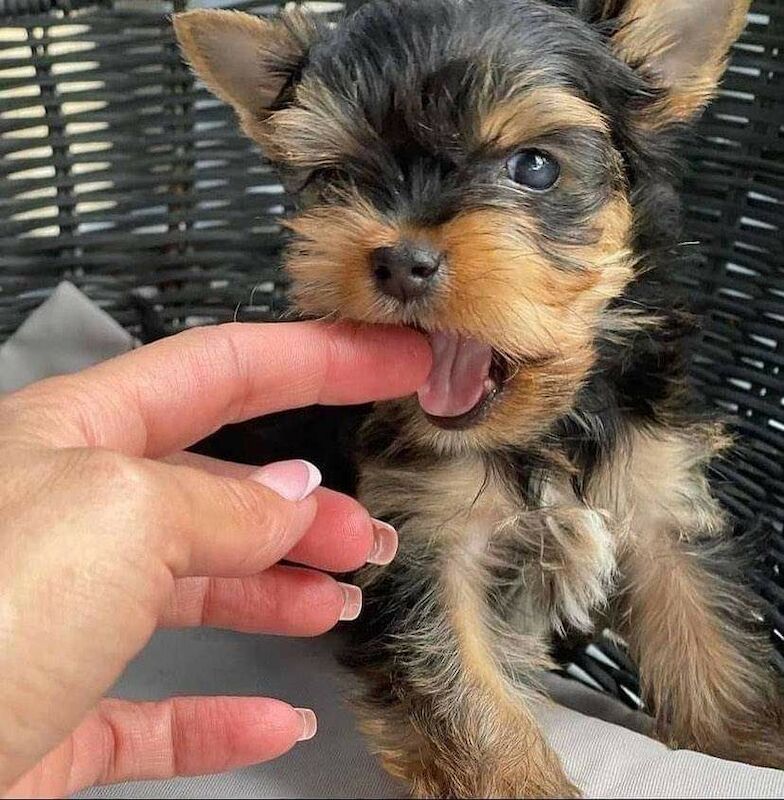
{"x":407,"y":270}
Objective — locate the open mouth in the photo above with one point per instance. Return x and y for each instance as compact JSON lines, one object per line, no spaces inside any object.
{"x":466,"y":379}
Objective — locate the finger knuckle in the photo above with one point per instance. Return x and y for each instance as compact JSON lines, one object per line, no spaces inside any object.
{"x":357,"y":529}
{"x":121,"y":476}
{"x":325,"y":605}
{"x":218,"y":345}
{"x":262,"y":518}
{"x":127,"y":489}
{"x":352,"y":544}
{"x":318,"y":605}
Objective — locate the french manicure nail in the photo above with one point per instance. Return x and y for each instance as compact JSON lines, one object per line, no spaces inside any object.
{"x":352,"y":602}
{"x":384,"y":543}
{"x":292,"y":480}
{"x":309,"y":724}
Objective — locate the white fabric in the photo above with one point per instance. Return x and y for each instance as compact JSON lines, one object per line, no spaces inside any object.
{"x":605,"y":760}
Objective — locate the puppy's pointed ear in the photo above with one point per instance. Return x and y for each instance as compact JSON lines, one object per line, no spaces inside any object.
{"x":681,"y":46}
{"x":246,"y":61}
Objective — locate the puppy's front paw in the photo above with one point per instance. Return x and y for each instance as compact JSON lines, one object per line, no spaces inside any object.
{"x":577,"y":565}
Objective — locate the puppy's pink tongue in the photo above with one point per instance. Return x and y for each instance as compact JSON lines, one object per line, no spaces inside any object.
{"x":460,"y":377}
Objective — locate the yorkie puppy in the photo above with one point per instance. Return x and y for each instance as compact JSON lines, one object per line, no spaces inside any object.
{"x":500,"y":174}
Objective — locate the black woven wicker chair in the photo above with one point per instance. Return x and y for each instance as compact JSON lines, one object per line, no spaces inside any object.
{"x":123,"y":175}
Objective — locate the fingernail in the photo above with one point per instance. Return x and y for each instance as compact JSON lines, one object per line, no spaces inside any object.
{"x":292,"y":480}
{"x":352,"y":602}
{"x":384,"y":543}
{"x":309,"y":724}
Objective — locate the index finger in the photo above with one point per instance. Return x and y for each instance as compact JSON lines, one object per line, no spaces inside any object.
{"x":168,"y":395}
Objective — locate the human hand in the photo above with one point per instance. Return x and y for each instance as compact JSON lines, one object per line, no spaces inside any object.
{"x":108,"y":531}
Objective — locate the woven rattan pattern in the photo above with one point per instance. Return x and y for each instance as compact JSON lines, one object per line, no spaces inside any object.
{"x":734,"y":198}
{"x":119,"y":172}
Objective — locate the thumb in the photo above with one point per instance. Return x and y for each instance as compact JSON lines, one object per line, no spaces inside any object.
{"x":230,"y":527}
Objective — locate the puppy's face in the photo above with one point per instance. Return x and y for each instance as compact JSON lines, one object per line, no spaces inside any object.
{"x":467,"y":167}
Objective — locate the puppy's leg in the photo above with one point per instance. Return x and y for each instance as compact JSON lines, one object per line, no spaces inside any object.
{"x":441,"y":708}
{"x":448,"y":681}
{"x":694,"y":628}
{"x":704,"y":657}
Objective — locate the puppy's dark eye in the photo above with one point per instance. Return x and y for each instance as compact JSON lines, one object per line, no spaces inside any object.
{"x":533,"y":169}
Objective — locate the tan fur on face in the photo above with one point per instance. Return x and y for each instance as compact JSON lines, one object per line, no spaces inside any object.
{"x":321,"y":130}
{"x":499,"y":289}
{"x":538,"y":112}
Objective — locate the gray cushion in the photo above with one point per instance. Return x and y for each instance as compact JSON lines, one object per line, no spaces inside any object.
{"x":605,"y":759}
